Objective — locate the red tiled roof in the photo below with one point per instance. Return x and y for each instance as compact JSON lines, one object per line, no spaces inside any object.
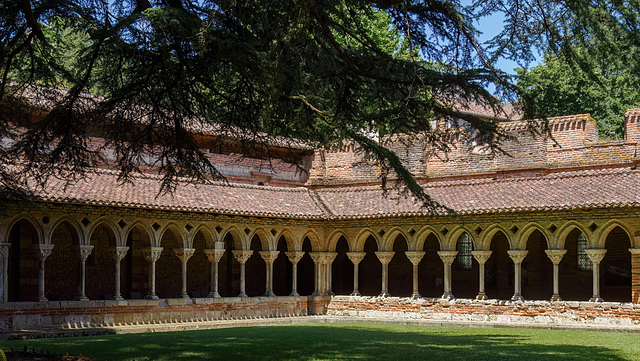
{"x":619,"y":187}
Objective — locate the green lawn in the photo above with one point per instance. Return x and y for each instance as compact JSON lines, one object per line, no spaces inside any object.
{"x":351,"y":341}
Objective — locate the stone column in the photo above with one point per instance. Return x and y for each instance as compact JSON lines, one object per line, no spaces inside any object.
{"x":356,"y":258}
{"x":635,"y":274}
{"x":118,"y":254}
{"x":317,"y":258}
{"x":294,"y":257}
{"x":85,"y":252}
{"x":447,"y":258}
{"x":183,"y":255}
{"x":596,"y":255}
{"x":385,"y":258}
{"x":482,"y":257}
{"x":555,"y":255}
{"x":269,"y":257}
{"x":517,"y":256}
{"x":4,"y":268}
{"x":42,"y":251}
{"x":242,"y":257}
{"x":214,"y":255}
{"x":328,"y":264}
{"x":152,"y":254}
{"x":415,"y":257}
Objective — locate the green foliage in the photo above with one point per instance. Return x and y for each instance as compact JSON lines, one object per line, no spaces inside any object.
{"x":559,"y":89}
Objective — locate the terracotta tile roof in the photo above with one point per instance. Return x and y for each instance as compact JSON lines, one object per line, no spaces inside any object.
{"x":101,"y":188}
{"x":566,"y":190}
{"x":619,"y":187}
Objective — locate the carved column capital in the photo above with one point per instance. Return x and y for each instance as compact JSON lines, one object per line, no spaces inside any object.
{"x":356,"y":257}
{"x":43,"y":250}
{"x":555,"y":255}
{"x":4,"y":247}
{"x":269,"y":256}
{"x":317,"y":257}
{"x":415,"y":256}
{"x":295,"y":256}
{"x":634,"y":250}
{"x":329,"y":257}
{"x":85,"y":252}
{"x":152,"y":254}
{"x":242,"y":256}
{"x":481,"y":256}
{"x":447,"y":257}
{"x":184,"y":254}
{"x":517,"y":255}
{"x":214,"y":254}
{"x":385,"y":257}
{"x":119,"y":253}
{"x":596,"y":254}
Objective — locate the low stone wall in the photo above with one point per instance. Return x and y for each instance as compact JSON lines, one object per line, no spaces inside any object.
{"x":78,"y":314}
{"x":498,"y":311}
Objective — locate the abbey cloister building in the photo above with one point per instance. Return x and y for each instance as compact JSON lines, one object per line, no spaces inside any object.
{"x":558,"y":220}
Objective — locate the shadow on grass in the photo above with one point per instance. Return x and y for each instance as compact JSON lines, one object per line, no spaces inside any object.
{"x":348,"y":341}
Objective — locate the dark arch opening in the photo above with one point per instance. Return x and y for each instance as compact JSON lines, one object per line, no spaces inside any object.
{"x":282,"y":270}
{"x":370,"y":273}
{"x":134,"y":267}
{"x":169,"y":267}
{"x":431,"y":269}
{"x":255,"y":270}
{"x":464,"y":270}
{"x":342,"y":269}
{"x":199,"y":269}
{"x":537,"y":269}
{"x":615,"y":268}
{"x":229,"y":270}
{"x":499,"y":269}
{"x":575,"y":277}
{"x":23,"y":263}
{"x":306,"y":271}
{"x":400,"y":269}
{"x":62,"y":267}
{"x":100,"y":265}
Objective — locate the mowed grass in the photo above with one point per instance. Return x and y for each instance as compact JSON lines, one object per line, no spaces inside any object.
{"x":351,"y":341}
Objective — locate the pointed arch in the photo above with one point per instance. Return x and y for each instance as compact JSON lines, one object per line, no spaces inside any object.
{"x":289,"y":238}
{"x":74,"y":224}
{"x":525,"y":232}
{"x":314,"y":239}
{"x":37,"y":226}
{"x":362,"y":236}
{"x":606,"y":228}
{"x":210,"y":235}
{"x":421,"y":236}
{"x":455,"y":234}
{"x":177,"y":232}
{"x":108,"y":224}
{"x":236,"y":235}
{"x":334,"y":237}
{"x":564,"y":231}
{"x":144,"y":228}
{"x":390,"y":237}
{"x":265,"y":239}
{"x":485,"y":238}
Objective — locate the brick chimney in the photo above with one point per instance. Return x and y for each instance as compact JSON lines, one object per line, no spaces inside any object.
{"x":631,"y":123}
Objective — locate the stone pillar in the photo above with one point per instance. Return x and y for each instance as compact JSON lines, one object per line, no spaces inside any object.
{"x":596,"y":255}
{"x":317,"y":258}
{"x":85,"y":252}
{"x":152,"y":254}
{"x":183,"y":255}
{"x":555,"y":255}
{"x":517,"y":256}
{"x":269,"y":257}
{"x":118,"y":254}
{"x":294,"y":257}
{"x":635,"y":274}
{"x":328,"y":264}
{"x":214,"y":255}
{"x":482,"y":257}
{"x":242,"y":257}
{"x":356,"y":258}
{"x":4,"y":268}
{"x":385,"y":258}
{"x":42,"y":251}
{"x":447,"y":258}
{"x":415,"y":257}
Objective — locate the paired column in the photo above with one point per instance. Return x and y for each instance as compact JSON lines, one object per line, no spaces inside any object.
{"x":517,"y":256}
{"x":447,"y":258}
{"x":214,"y":255}
{"x":152,"y":254}
{"x":317,"y":258}
{"x":635,"y":273}
{"x":356,"y":258}
{"x":385,"y":258}
{"x":482,"y":257}
{"x":242,"y":257}
{"x":118,"y":255}
{"x":596,"y":255}
{"x":294,"y":257}
{"x":85,"y":252}
{"x":555,"y":255}
{"x":183,"y":255}
{"x":42,"y":252}
{"x":328,"y":271}
{"x":269,"y":257}
{"x":415,"y":257}
{"x":4,"y":268}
